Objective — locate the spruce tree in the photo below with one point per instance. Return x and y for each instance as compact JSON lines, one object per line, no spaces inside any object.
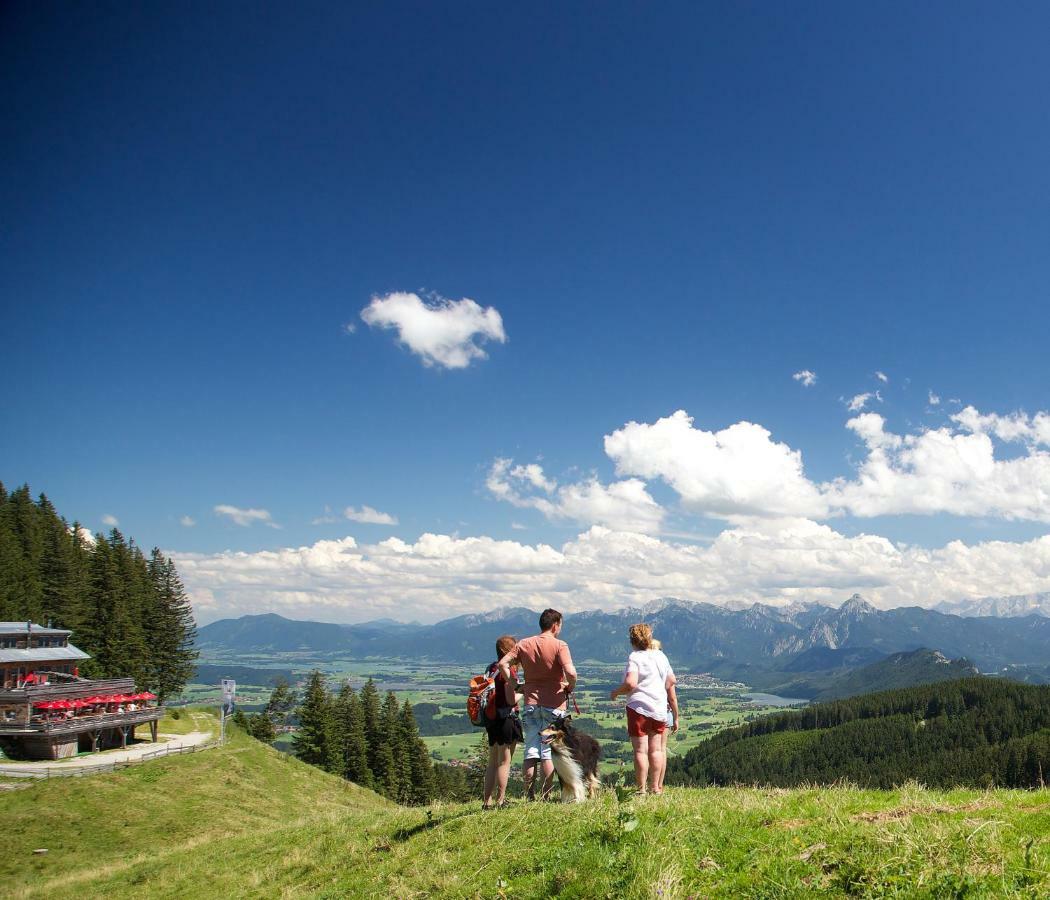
{"x":351,"y":732}
{"x":356,"y":758}
{"x":313,"y":743}
{"x":420,"y":771}
{"x":371,"y":713}
{"x":170,"y":629}
{"x":10,"y":562}
{"x":24,"y":520}
{"x":282,"y":701}
{"x":394,"y":732}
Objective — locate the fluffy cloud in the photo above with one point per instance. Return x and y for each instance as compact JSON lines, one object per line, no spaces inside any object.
{"x":738,"y":471}
{"x":443,"y":333}
{"x":622,"y":505}
{"x":806,"y":378}
{"x":1016,"y":426}
{"x":187,"y":521}
{"x":245,"y":517}
{"x":368,"y":516}
{"x":883,"y":377}
{"x":110,"y":520}
{"x":943,"y":471}
{"x":934,"y":399}
{"x":859,"y":401}
{"x":771,"y":561}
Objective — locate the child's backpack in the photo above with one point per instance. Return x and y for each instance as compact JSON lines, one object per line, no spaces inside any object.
{"x":481,"y":701}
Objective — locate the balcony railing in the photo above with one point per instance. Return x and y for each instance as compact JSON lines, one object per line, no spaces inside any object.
{"x":78,"y":724}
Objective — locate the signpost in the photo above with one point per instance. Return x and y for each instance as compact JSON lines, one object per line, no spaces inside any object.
{"x":229,"y":697}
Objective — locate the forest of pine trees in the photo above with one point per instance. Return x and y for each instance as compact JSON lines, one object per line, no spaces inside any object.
{"x":128,"y":610}
{"x":980,"y":732}
{"x":372,"y":742}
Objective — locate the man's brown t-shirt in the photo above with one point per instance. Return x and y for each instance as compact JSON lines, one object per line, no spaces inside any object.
{"x":546,"y":661}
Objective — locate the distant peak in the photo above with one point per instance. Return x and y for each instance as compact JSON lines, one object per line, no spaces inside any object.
{"x":857,"y":606}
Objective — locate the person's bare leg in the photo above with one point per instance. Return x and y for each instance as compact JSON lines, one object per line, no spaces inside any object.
{"x":505,"y":756}
{"x":528,"y":776}
{"x":656,"y":762}
{"x":547,"y":765}
{"x":490,"y":774}
{"x":663,"y":761}
{"x":641,"y":761}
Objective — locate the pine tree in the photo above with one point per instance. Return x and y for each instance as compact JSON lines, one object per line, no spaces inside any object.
{"x":351,"y":731}
{"x":24,"y":520}
{"x":282,"y":701}
{"x":170,"y":629}
{"x":371,"y":713}
{"x":420,"y":771}
{"x":10,"y":562}
{"x":313,"y":743}
{"x":261,"y":728}
{"x":356,"y":758}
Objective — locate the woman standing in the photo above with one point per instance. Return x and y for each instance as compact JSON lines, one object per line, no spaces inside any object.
{"x":504,"y":731}
{"x":649,"y":681}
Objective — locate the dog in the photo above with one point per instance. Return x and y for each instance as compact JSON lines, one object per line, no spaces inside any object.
{"x":575,"y":756}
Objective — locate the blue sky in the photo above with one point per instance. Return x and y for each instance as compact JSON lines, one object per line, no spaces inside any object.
{"x":673,"y":209}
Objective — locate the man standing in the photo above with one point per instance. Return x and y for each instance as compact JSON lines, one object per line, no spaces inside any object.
{"x":549,"y":679}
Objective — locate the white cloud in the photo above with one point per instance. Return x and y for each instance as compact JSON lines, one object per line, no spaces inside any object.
{"x":443,"y":333}
{"x":350,"y":328}
{"x":738,"y":471}
{"x":85,"y":534}
{"x":882,"y":376}
{"x":187,"y":521}
{"x":858,"y":402}
{"x":807,"y":378}
{"x":623,"y":505}
{"x":517,"y":526}
{"x":110,"y":520}
{"x":245,"y":517}
{"x":1017,"y":426}
{"x":942,"y":471}
{"x":368,"y":516}
{"x":934,"y":399}
{"x":772,"y":561}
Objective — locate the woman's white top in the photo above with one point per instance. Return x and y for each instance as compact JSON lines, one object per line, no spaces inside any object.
{"x":650,"y":697}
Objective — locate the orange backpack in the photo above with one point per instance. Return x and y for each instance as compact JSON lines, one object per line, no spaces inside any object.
{"x":481,"y":701}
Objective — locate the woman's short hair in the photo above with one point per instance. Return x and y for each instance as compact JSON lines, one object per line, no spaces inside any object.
{"x":641,"y":636}
{"x":504,"y":644}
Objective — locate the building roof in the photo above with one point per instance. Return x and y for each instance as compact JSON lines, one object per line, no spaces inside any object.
{"x":42,"y":654}
{"x":23,"y":628}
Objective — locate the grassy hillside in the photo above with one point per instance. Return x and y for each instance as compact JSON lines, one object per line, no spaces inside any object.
{"x":245,"y":821}
{"x":106,"y":824}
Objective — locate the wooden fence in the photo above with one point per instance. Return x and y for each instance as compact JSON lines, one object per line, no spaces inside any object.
{"x":102,"y":767}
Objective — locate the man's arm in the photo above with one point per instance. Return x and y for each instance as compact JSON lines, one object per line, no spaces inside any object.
{"x":568,"y":669}
{"x":506,"y":662}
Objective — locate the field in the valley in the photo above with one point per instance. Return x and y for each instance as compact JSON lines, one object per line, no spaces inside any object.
{"x":247,"y":821}
{"x":707,"y":706}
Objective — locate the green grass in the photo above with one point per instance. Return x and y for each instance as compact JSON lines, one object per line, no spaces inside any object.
{"x":99,"y":828}
{"x":245,"y":821}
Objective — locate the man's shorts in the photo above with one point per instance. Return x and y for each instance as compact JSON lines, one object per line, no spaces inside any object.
{"x":639,"y":725}
{"x":534,"y":719}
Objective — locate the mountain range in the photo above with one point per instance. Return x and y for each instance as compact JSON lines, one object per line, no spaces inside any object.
{"x":1002,"y":607}
{"x":750,"y":644}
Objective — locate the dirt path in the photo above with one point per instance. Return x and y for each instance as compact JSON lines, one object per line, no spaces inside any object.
{"x":105,"y":760}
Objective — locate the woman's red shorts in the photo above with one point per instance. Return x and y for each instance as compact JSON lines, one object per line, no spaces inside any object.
{"x":639,"y":725}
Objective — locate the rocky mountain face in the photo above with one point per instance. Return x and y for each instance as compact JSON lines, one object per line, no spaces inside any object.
{"x":1001,"y":607}
{"x":696,"y":636}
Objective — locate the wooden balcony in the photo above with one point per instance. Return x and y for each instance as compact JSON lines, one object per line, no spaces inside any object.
{"x":58,"y":727}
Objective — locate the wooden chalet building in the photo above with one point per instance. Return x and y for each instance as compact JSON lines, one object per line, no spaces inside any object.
{"x":47,"y":711}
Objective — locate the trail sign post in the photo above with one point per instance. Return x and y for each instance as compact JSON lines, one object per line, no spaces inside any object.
{"x":229,"y":697}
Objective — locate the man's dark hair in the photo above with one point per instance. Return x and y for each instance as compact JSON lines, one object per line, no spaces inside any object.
{"x":549,"y":618}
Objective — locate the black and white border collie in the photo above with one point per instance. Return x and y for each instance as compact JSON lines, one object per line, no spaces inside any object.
{"x":575,"y":756}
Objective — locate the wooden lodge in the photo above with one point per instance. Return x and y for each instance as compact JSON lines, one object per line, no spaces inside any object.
{"x":47,"y":711}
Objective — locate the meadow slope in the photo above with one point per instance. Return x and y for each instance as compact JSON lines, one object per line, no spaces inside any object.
{"x":245,"y":821}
